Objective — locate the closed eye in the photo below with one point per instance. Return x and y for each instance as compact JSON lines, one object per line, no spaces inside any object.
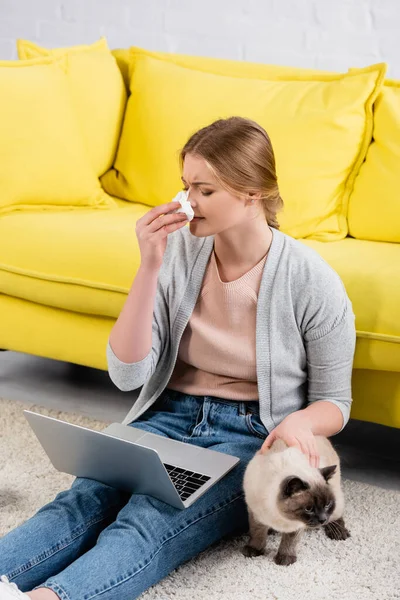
{"x":203,"y":193}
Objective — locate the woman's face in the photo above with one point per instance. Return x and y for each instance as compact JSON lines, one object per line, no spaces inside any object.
{"x":219,"y":209}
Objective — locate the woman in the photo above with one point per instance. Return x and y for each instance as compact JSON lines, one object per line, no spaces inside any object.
{"x":250,"y":337}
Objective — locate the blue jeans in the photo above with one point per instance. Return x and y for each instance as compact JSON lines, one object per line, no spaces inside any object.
{"x":93,"y":540}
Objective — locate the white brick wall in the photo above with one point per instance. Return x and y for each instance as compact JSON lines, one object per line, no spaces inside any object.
{"x":326,"y":34}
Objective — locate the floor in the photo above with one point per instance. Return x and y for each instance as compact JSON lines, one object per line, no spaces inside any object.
{"x":369,"y":452}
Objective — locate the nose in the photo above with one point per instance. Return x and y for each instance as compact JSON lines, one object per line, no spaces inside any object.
{"x":188,"y":199}
{"x":322,"y":520}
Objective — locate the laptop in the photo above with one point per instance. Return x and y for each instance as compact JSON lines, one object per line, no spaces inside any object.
{"x":132,"y":459}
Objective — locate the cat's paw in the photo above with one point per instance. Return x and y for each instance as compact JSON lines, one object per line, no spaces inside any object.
{"x":250,"y":551}
{"x":285,"y":559}
{"x":336,"y":531}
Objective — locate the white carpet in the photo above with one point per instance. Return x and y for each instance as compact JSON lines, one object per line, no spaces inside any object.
{"x":364,"y":567}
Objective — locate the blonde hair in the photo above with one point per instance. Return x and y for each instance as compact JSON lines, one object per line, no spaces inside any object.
{"x":239,"y":153}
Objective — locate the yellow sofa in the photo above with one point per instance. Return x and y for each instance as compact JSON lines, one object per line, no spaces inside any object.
{"x":65,"y":274}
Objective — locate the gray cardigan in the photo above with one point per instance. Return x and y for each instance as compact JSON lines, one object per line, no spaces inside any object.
{"x":305,"y":328}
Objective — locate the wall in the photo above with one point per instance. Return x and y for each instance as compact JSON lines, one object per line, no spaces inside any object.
{"x":326,"y":34}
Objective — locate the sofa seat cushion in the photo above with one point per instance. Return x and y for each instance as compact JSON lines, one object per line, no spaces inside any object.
{"x":370,"y":272}
{"x":83,"y":261}
{"x":86,"y":262}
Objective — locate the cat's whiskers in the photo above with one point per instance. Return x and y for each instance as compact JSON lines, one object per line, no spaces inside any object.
{"x":299,"y":532}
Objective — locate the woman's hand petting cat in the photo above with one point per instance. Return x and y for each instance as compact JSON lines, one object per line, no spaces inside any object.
{"x":295,"y":430}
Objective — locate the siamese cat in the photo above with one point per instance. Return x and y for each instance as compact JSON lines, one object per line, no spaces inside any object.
{"x":285,"y":494}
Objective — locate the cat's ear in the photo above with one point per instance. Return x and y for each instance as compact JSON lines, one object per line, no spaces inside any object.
{"x":293,"y":484}
{"x":328,"y":472}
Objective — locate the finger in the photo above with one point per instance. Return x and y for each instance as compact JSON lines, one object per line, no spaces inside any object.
{"x":294,"y":442}
{"x":311,"y":456}
{"x":314,"y":454}
{"x":156,"y":211}
{"x":304,"y":447}
{"x":311,"y":450}
{"x":267,"y":443}
{"x":268,"y":440}
{"x":167,"y":220}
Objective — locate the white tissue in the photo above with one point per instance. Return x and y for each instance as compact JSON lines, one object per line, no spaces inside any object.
{"x":182,"y":197}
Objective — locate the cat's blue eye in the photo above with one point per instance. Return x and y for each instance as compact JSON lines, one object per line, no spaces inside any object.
{"x":309,"y":509}
{"x":328,"y":505}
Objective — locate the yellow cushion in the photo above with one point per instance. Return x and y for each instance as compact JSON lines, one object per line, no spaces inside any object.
{"x":320,"y":127}
{"x":79,"y":261}
{"x":121,"y":55}
{"x":370,"y":272}
{"x":98,"y":94}
{"x":43,"y":160}
{"x":210,"y":64}
{"x":374,"y":205}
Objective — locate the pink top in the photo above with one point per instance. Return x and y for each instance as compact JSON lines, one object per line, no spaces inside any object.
{"x":217,"y":351}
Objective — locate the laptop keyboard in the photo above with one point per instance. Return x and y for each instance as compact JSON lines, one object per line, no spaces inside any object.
{"x":185,"y":482}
